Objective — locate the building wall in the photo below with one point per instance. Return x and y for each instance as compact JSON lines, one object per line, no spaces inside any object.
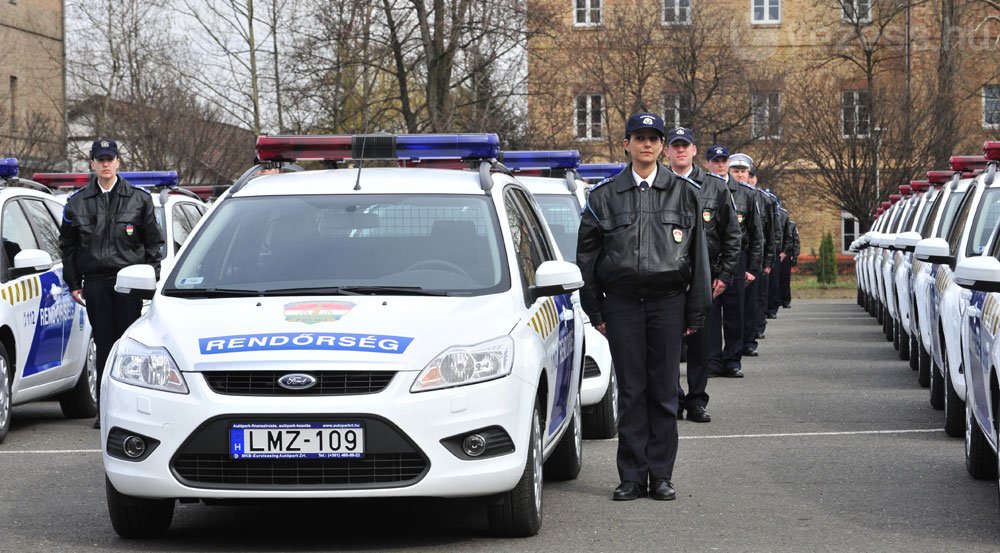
{"x":808,"y":33}
{"x":32,"y":58}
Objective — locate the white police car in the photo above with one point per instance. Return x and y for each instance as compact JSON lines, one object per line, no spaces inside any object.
{"x":905,"y":243}
{"x":374,"y":332}
{"x":560,"y":197}
{"x":46,"y":350}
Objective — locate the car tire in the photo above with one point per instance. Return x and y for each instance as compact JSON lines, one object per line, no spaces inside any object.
{"x":904,"y":343}
{"x":980,"y":459}
{"x":897,"y":337}
{"x":954,"y":408}
{"x":601,"y":420}
{"x":136,"y":517}
{"x":81,"y":401}
{"x":518,"y":513}
{"x":936,"y":387}
{"x":914,"y":355}
{"x":566,"y":460}
{"x":6,"y":384}
{"x":923,"y":365}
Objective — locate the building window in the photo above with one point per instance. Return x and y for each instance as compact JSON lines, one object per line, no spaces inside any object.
{"x":588,"y":12}
{"x":589,"y":116}
{"x":857,"y":120}
{"x":676,"y":12}
{"x":848,"y":231}
{"x":767,"y":11}
{"x":856,"y":11}
{"x":677,"y":110}
{"x":991,"y":106}
{"x":12,"y":104}
{"x":766,"y":120}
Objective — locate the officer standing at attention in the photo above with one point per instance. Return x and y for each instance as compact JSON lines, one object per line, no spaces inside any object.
{"x":107,"y":226}
{"x":783,"y":241}
{"x":723,"y":236}
{"x":641,"y":249}
{"x":739,"y":168}
{"x":791,"y":259}
{"x":727,"y":317}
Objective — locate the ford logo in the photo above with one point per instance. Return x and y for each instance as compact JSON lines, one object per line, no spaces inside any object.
{"x":297,"y":381}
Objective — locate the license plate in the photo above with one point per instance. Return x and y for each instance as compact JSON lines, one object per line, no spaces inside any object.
{"x":297,"y":440}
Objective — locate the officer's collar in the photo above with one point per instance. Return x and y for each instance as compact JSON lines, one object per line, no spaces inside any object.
{"x":625,"y":181}
{"x":93,"y":188}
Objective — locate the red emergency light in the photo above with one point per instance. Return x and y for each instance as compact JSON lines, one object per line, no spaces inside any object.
{"x":885,"y":205}
{"x":991,"y":150}
{"x":60,"y":180}
{"x":967,"y":163}
{"x":905,"y":189}
{"x":939,"y":177}
{"x":920,"y":185}
{"x":893,"y":198}
{"x":880,"y":211}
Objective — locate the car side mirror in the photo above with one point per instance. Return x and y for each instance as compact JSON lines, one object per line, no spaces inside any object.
{"x":980,"y":273}
{"x":907,"y":241}
{"x":934,"y":250}
{"x":556,"y":277}
{"x":28,"y":262}
{"x":137,"y":281}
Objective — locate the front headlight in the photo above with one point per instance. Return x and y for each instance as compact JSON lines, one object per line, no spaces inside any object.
{"x":140,"y":365}
{"x":463,"y":365}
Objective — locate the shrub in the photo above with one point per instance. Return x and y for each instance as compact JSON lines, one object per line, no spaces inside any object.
{"x":826,"y":263}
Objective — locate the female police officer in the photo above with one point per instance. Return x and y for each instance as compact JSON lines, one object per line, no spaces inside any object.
{"x":642,"y":252}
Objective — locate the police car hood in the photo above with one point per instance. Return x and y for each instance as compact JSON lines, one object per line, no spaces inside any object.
{"x":344,"y":332}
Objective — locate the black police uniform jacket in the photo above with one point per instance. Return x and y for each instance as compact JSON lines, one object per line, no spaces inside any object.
{"x":749,"y":217}
{"x":102,"y":233}
{"x":767,"y":207}
{"x":794,"y":251}
{"x":722,"y":229}
{"x":644,"y":244}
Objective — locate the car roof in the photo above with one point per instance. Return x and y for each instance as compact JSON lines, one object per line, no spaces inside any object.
{"x":375,"y":180}
{"x":548,"y":185}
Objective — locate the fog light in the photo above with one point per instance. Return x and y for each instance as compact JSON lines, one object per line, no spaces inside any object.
{"x":134,"y":446}
{"x":474,"y":445}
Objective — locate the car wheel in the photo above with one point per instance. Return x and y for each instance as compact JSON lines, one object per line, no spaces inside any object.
{"x":904,"y":342}
{"x":897,"y":341}
{"x":914,"y":352}
{"x":567,"y":459}
{"x":601,"y":420}
{"x":136,"y":517}
{"x":518,"y":514}
{"x":923,"y":365}
{"x":954,"y":408}
{"x":6,"y":383}
{"x":81,"y":401}
{"x":980,"y":459}
{"x":937,"y":387}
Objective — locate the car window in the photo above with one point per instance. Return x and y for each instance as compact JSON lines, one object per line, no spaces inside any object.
{"x":958,"y":226}
{"x":45,"y":227}
{"x":984,"y":223}
{"x":911,"y":214}
{"x":948,"y":214}
{"x":193,"y":212}
{"x":529,"y":249}
{"x":446,"y":243}
{"x":928,"y":226}
{"x":15,"y":232}
{"x":562,"y":214}
{"x":922,"y":219}
{"x":181,"y":225}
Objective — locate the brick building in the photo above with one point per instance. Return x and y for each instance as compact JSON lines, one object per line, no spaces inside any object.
{"x":33,"y":83}
{"x":591,"y":62}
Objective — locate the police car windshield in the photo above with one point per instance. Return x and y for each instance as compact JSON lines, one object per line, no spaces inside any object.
{"x":562,"y":214}
{"x":398,"y":244}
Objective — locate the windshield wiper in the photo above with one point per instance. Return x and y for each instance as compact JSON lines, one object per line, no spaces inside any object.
{"x":394,"y":290}
{"x":211,"y":292}
{"x":310,"y":291}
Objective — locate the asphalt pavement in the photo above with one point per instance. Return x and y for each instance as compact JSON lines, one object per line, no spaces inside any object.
{"x":828,"y":444}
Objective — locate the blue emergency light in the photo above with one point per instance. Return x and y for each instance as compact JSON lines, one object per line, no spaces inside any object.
{"x":8,"y":167}
{"x":600,"y":170}
{"x":378,"y":146}
{"x":151,"y":178}
{"x":542,"y":159}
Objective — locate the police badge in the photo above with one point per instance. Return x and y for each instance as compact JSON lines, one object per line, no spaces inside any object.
{"x":678,"y":235}
{"x":706,"y":215}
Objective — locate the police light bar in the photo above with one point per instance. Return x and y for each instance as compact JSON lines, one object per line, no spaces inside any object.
{"x":599,"y":170}
{"x":991,"y":150}
{"x":880,"y":211}
{"x":79,"y":180}
{"x":885,"y":205}
{"x":920,"y":185}
{"x":893,"y":198}
{"x":542,"y":159}
{"x":967,"y":163}
{"x":61,"y":180}
{"x":939,"y":177}
{"x":8,"y":167}
{"x":378,"y":146}
{"x":905,"y":189}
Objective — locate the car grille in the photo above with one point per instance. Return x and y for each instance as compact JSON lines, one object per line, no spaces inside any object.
{"x":391,"y":459}
{"x":328,"y":383}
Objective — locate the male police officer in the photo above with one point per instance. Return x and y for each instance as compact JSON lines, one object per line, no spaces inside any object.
{"x":791,"y":259}
{"x":641,"y":249}
{"x":723,"y":235}
{"x":727,"y":316}
{"x":107,"y":225}
{"x":753,"y":315}
{"x":784,"y":242}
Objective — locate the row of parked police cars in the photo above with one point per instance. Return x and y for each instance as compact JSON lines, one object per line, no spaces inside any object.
{"x":348,"y":332}
{"x":929,"y":271}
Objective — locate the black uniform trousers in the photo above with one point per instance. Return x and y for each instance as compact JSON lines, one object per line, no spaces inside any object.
{"x":785,"y":296}
{"x":110,"y":314}
{"x":726,"y":321}
{"x":763,"y":287}
{"x":751,"y":297}
{"x":698,"y":345}
{"x":774,"y":290}
{"x":645,"y":341}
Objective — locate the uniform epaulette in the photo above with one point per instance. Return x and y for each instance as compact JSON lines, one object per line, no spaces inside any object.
{"x":146,"y":190}
{"x":75,"y":192}
{"x":602,"y":183}
{"x":747,"y":185}
{"x":691,"y":182}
